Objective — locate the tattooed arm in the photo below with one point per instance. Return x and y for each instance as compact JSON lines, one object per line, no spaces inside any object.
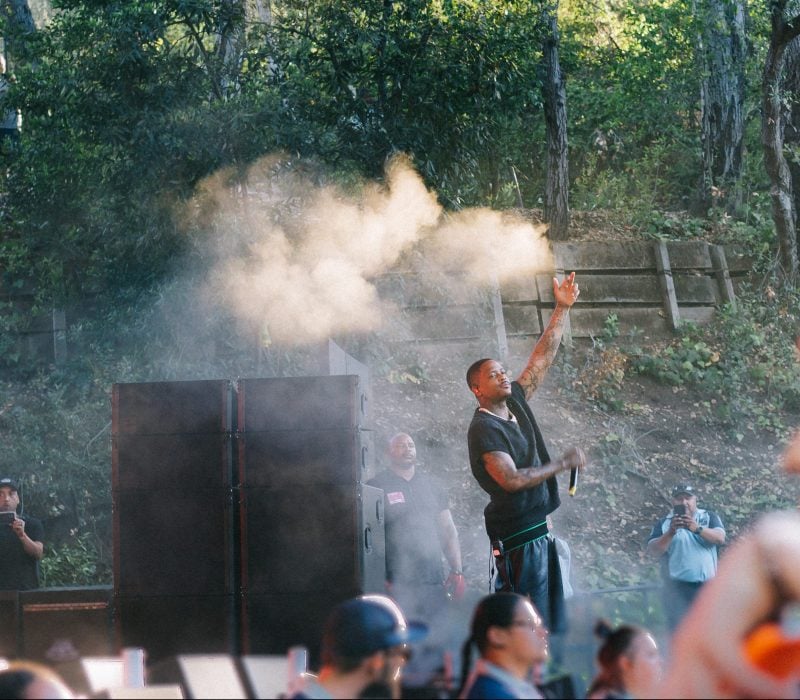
{"x":545,"y":349}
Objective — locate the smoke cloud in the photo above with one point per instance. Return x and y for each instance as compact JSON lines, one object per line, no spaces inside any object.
{"x":302,"y":262}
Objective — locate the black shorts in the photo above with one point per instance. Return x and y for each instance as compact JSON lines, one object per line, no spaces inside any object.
{"x":533,"y":570}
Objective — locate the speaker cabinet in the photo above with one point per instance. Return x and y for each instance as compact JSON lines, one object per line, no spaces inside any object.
{"x":304,"y":552}
{"x":170,"y":408}
{"x":173,"y":515}
{"x":9,"y":630}
{"x":305,"y":430}
{"x":228,"y":499}
{"x":325,"y":537}
{"x":302,"y":403}
{"x":274,"y":623}
{"x":336,"y":360}
{"x":63,"y":624}
{"x":172,"y":542}
{"x":281,"y":458}
{"x":178,"y":461}
{"x":168,"y":625}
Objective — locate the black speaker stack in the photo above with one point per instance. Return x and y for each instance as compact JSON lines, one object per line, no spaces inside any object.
{"x":239,"y":511}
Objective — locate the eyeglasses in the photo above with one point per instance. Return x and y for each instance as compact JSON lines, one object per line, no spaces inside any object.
{"x":534,"y":625}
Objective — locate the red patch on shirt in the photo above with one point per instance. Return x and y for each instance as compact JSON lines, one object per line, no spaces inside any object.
{"x":395,"y":497}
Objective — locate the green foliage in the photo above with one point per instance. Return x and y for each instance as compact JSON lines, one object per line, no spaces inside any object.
{"x":745,"y":361}
{"x":75,"y":562}
{"x":688,"y":360}
{"x":454,"y":84}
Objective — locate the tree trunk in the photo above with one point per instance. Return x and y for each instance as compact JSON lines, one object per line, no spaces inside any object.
{"x":721,"y":49}
{"x":772,"y":130}
{"x":556,"y":196}
{"x":791,"y":131}
{"x":230,"y":45}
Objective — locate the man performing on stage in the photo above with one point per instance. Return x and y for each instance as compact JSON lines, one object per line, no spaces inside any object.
{"x":510,"y":462}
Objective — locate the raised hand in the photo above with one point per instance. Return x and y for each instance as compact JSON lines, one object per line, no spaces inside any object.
{"x":567,"y":292}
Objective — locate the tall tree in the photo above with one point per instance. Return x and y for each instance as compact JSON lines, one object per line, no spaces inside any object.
{"x":721,"y":53}
{"x":556,"y":196}
{"x":784,"y":214}
{"x":791,"y":133}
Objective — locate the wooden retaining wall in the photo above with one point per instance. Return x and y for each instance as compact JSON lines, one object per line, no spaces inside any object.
{"x":651,"y":287}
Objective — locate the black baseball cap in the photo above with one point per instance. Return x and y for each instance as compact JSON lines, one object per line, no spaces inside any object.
{"x":360,"y":626}
{"x":678,"y":489}
{"x":9,"y":483}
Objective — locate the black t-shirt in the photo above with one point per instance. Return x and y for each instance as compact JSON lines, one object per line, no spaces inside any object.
{"x":18,"y":570}
{"x":413,"y":549}
{"x":510,"y":513}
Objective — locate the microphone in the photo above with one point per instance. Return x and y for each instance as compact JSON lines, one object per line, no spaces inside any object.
{"x":573,"y":481}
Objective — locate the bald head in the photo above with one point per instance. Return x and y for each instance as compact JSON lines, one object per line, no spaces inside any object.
{"x":403,"y":454}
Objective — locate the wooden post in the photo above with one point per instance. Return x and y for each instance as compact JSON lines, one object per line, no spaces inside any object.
{"x":567,"y":334}
{"x":667,"y":284}
{"x":59,"y":336}
{"x":499,"y":322}
{"x":723,"y":275}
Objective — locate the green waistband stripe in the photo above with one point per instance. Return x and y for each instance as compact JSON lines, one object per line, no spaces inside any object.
{"x":526,"y":542}
{"x":527,"y":529}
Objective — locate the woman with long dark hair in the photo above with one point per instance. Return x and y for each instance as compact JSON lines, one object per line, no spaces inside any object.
{"x":629,"y":663}
{"x":511,"y":640}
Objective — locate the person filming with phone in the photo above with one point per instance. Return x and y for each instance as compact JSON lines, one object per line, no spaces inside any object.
{"x":687,"y":540}
{"x":21,"y":545}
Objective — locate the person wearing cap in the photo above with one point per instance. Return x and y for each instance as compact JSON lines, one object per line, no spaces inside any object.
{"x":21,"y":545}
{"x":364,"y":642}
{"x":687,"y":541}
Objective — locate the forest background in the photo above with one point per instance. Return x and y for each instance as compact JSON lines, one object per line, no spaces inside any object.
{"x":210,"y":189}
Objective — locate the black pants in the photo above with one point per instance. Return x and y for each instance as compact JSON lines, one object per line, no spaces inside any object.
{"x":533,"y":570}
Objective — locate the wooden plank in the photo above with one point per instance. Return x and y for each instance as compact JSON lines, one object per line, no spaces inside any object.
{"x":30,"y":322}
{"x":449,"y":321}
{"x":520,"y":289}
{"x":499,"y":322}
{"x":723,"y":275}
{"x":590,"y":255}
{"x":688,"y":254}
{"x":667,"y":284}
{"x":522,"y":319}
{"x":566,"y":332}
{"x":428,"y":289}
{"x":635,"y":289}
{"x":608,"y":289}
{"x":59,"y":336}
{"x":650,"y":323}
{"x":739,"y":261}
{"x":695,"y":289}
{"x":697,"y":314}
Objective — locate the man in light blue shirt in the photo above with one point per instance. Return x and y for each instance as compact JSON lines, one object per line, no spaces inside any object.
{"x":687,"y":540}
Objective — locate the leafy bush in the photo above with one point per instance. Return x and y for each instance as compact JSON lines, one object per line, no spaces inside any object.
{"x":745,"y":359}
{"x":76,"y":562}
